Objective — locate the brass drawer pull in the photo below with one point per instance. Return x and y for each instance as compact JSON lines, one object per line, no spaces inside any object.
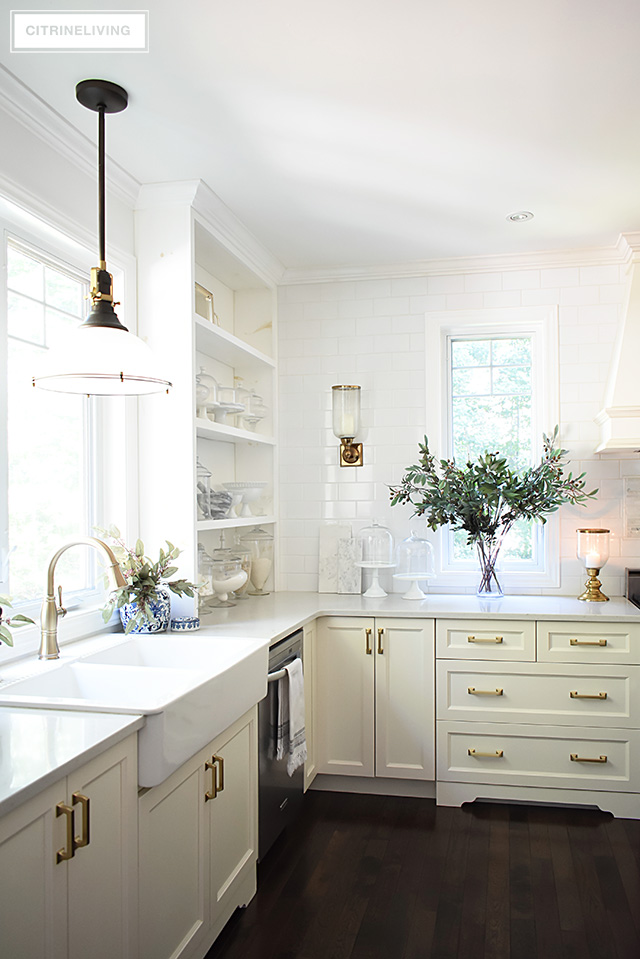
{"x":498,"y":754}
{"x":84,"y":839}
{"x":587,"y":642}
{"x":220,"y":761}
{"x":576,"y":695}
{"x":367,"y":633}
{"x":484,"y":692}
{"x":214,"y":785}
{"x":477,"y":639}
{"x":586,"y":759}
{"x":380,"y":649}
{"x":63,"y":854}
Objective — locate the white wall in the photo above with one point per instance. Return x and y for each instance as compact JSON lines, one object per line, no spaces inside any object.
{"x":371,"y":332}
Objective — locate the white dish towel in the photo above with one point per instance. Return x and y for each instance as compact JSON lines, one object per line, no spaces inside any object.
{"x":290,"y":731}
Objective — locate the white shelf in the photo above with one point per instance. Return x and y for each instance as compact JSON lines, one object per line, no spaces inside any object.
{"x":208,"y":430}
{"x":206,"y":524}
{"x":228,"y":349}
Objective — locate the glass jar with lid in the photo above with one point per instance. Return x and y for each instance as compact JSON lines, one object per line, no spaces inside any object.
{"x":260,"y":544}
{"x":227,"y":575}
{"x":414,"y":563}
{"x":203,"y":489}
{"x":245,"y":558}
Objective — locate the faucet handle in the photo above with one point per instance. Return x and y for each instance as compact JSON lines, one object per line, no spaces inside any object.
{"x":61,"y":611}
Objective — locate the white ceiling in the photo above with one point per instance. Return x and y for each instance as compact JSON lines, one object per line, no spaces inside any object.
{"x":352,"y":132}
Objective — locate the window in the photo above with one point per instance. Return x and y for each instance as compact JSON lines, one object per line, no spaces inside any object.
{"x":49,"y":435}
{"x":491,"y":406}
{"x":495,"y":372}
{"x":67,"y":463}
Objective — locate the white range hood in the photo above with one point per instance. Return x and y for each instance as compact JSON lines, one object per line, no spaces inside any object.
{"x":619,"y":420}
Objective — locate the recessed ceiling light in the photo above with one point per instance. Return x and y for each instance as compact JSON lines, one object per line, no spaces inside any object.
{"x":520,"y":215}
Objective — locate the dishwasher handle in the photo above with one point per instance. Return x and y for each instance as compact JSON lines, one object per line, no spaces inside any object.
{"x":280,"y":673}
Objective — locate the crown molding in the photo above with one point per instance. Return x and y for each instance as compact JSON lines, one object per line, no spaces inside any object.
{"x":625,"y":248}
{"x":43,"y":121}
{"x":218,"y":220}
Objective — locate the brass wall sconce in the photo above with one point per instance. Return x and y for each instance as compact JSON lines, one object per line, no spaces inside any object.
{"x":346,"y":423}
{"x":593,"y":551}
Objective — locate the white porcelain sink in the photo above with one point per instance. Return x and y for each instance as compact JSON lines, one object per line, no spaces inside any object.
{"x":189,"y":689}
{"x":192,"y":652}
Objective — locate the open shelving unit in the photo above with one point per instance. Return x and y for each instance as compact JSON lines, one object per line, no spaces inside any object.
{"x":187,"y":237}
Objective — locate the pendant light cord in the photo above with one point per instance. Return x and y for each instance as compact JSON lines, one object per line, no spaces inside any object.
{"x":101,"y":190}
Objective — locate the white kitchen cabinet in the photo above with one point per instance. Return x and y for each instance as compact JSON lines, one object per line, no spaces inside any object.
{"x":185,"y":236}
{"x":557,"y":720}
{"x":309,"y":647}
{"x":198,"y":846}
{"x":375,"y":698}
{"x":58,"y":908}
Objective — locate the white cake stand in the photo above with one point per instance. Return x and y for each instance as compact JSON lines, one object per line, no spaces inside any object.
{"x":375,"y":590}
{"x":414,"y":591}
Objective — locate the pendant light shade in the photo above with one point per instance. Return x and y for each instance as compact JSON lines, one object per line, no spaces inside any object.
{"x":101,"y":357}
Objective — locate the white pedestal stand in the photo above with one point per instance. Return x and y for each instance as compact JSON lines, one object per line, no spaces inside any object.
{"x":414,"y":591}
{"x":375,"y":591}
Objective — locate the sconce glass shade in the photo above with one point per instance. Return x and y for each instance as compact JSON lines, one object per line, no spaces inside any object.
{"x":346,"y":411}
{"x":102,"y":361}
{"x":593,"y":547}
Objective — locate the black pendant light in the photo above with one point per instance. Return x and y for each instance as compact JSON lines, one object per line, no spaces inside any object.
{"x":101,"y":357}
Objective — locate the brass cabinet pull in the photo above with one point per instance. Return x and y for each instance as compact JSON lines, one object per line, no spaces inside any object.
{"x":484,"y":692}
{"x":367,"y":633}
{"x":498,"y":754}
{"x":380,"y":649}
{"x":220,"y":761}
{"x":576,"y":695}
{"x":587,"y":642}
{"x":84,"y":839}
{"x":586,"y":759}
{"x":214,"y":785}
{"x":63,"y":854}
{"x":477,"y":639}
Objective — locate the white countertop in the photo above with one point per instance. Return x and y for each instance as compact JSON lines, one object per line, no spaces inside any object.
{"x":274,"y":616}
{"x":40,"y":746}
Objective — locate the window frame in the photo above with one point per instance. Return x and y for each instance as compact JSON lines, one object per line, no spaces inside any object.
{"x":440,"y":328}
{"x":114,"y":480}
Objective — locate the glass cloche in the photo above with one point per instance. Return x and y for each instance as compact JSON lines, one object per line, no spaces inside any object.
{"x":260,"y":544}
{"x":414,"y":562}
{"x":375,"y":546}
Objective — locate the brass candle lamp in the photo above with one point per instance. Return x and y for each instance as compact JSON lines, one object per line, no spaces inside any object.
{"x":593,"y":550}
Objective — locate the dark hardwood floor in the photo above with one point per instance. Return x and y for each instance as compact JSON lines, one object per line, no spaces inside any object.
{"x":370,"y":877}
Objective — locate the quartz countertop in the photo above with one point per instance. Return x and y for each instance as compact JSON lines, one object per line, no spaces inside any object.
{"x":38,"y":747}
{"x":274,"y":616}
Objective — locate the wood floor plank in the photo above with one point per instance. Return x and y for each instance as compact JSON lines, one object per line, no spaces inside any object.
{"x":497,"y":929}
{"x":522,"y":923}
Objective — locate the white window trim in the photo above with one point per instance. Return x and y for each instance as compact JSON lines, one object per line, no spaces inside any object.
{"x":542,"y":321}
{"x":116,"y":418}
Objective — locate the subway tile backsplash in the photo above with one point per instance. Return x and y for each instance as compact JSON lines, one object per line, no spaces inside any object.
{"x":372,"y":332}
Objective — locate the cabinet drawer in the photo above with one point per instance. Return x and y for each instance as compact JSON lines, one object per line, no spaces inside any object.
{"x":486,"y":639}
{"x":538,"y":756}
{"x":589,"y":642}
{"x":539,"y":693}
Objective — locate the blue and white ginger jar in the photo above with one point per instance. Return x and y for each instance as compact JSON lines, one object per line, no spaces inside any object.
{"x":158,"y":614}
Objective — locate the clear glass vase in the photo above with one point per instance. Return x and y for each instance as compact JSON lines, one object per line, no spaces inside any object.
{"x":489,"y":586}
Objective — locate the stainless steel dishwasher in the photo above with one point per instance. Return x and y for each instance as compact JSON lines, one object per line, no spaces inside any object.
{"x":280,"y":795}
